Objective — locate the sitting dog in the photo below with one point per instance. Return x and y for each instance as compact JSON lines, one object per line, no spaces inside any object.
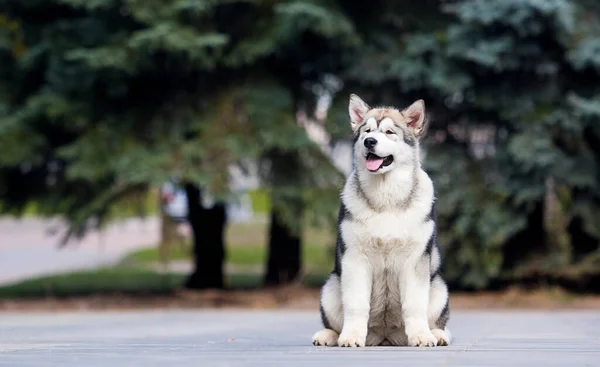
{"x":386,"y":287}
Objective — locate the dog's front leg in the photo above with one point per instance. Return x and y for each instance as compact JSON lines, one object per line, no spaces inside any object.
{"x":414,"y":291}
{"x":356,"y":299}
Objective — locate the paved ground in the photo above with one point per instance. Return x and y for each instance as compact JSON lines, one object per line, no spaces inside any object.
{"x":247,"y":338}
{"x":28,"y":249}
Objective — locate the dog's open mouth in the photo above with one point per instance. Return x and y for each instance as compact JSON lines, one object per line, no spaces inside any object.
{"x":374,"y":162}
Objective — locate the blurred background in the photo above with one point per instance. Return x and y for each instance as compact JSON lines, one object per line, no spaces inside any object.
{"x":153,"y":146}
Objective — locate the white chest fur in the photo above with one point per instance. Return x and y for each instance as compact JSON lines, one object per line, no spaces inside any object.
{"x":388,"y":232}
{"x":388,"y":228}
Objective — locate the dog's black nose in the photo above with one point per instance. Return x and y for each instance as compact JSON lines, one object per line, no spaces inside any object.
{"x":370,"y":142}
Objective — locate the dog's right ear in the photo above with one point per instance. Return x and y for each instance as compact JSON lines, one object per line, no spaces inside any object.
{"x":357,"y":109}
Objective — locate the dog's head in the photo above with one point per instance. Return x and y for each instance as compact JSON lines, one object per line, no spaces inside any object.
{"x":386,"y":137}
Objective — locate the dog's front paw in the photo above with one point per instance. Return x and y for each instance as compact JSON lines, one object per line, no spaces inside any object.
{"x":352,"y":338}
{"x":422,"y":339}
{"x":443,"y":336}
{"x":326,"y":337}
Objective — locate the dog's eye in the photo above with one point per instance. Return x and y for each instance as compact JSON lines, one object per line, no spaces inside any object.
{"x":368,"y":131}
{"x":389,"y":132}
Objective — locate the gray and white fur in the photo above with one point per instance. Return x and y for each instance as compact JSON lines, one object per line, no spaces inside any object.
{"x":386,"y":287}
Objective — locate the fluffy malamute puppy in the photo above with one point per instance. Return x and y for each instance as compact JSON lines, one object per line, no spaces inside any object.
{"x":386,"y":287}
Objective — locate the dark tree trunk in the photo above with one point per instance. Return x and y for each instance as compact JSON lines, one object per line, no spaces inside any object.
{"x":208,"y":227}
{"x":284,"y":253}
{"x":284,"y":263}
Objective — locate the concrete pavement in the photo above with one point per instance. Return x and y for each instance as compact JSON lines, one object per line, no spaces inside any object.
{"x":283,"y":338}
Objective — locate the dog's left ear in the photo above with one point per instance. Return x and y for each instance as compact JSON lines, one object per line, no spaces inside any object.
{"x":415,"y":117}
{"x":357,"y":109}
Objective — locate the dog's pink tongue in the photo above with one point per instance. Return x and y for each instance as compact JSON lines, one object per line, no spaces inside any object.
{"x":374,"y":164}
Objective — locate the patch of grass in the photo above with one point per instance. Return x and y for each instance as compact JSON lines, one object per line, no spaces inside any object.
{"x":313,"y":256}
{"x":245,"y":281}
{"x":246,"y":255}
{"x":151,"y":255}
{"x":122,"y":281}
{"x":97,"y":282}
{"x":260,"y":201}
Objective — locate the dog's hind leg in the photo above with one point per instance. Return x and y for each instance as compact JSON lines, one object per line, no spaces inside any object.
{"x":374,"y":337}
{"x":332,"y":313}
{"x":397,"y":337}
{"x":439,"y":311}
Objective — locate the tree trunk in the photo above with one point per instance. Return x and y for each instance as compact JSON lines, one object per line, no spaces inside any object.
{"x":284,"y":253}
{"x":284,"y":263}
{"x":208,"y":227}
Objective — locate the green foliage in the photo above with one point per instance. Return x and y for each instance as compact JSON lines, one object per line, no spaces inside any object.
{"x":521,"y":84}
{"x":521,"y":52}
{"x":101,"y":100}
{"x":113,"y":98}
{"x":311,"y":15}
{"x":511,"y":90}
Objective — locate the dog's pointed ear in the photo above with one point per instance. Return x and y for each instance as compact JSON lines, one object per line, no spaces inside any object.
{"x":357,"y":109}
{"x":415,"y":117}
